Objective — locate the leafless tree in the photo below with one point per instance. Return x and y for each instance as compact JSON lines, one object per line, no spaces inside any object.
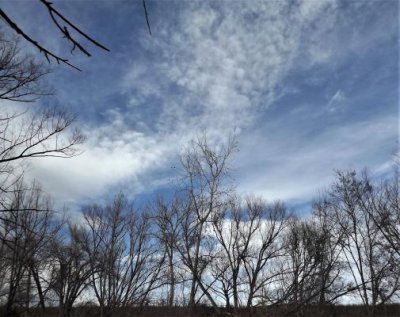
{"x":26,"y":222}
{"x":167,"y":234}
{"x":205,"y":170}
{"x":69,"y":269}
{"x":262,"y":271}
{"x":20,"y":75}
{"x":124,"y":260}
{"x":250,"y":241}
{"x":380,"y":200}
{"x":354,"y":203}
{"x":27,"y":134}
{"x":385,"y":210}
{"x":312,"y":268}
{"x":25,"y":238}
{"x":234,"y":241}
{"x":38,"y":135}
{"x":328,"y":251}
{"x":298,"y":268}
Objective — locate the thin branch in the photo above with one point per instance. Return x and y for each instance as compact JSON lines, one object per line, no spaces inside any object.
{"x":146,"y":16}
{"x":64,"y":30}
{"x":41,"y":49}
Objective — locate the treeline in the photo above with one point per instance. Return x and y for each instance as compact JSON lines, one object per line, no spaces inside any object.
{"x":205,"y":245}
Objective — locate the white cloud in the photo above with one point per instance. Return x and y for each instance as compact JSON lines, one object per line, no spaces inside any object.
{"x":112,"y":155}
{"x":215,"y":67}
{"x":336,"y":100}
{"x":297,"y":169}
{"x":227,"y":62}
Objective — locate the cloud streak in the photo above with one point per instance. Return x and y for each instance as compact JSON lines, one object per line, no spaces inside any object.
{"x":233,"y":67}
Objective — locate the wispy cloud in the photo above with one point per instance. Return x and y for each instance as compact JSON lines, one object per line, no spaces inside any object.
{"x":295,"y":169}
{"x":336,"y":100}
{"x":226,"y":67}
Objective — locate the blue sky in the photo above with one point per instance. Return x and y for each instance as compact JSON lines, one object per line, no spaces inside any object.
{"x":307,"y":87}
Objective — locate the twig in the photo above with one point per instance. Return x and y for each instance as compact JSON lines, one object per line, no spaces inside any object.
{"x":41,"y":49}
{"x":146,"y":16}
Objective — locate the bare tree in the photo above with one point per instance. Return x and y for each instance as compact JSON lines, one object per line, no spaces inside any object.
{"x":261,"y":268}
{"x":250,"y":242}
{"x":124,"y":261}
{"x":26,"y":222}
{"x":26,"y":236}
{"x":385,"y":209}
{"x":234,"y":241}
{"x":354,"y":204}
{"x":70,"y":268}
{"x":166,"y":220}
{"x":38,"y":135}
{"x":312,"y":268}
{"x":205,"y":170}
{"x":328,"y":251}
{"x":380,"y":202}
{"x":28,"y":134}
{"x":20,"y":75}
{"x":299,"y":265}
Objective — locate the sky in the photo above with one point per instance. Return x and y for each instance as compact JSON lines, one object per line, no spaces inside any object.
{"x":307,"y":87}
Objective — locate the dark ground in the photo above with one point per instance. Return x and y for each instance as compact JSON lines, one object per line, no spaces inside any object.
{"x":281,"y":311}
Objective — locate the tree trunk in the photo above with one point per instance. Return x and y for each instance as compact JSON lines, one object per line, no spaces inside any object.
{"x":171,"y":296}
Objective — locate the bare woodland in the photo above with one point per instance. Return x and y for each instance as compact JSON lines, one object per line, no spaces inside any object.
{"x":204,"y":246}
